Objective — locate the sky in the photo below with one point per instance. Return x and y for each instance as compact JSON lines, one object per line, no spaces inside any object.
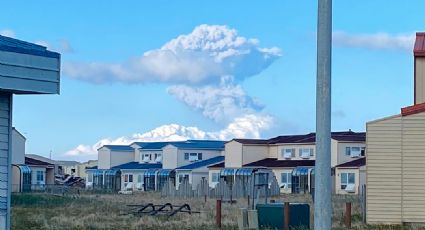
{"x":175,"y":70}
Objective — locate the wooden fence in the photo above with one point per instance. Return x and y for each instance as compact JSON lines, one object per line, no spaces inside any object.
{"x":240,"y":188}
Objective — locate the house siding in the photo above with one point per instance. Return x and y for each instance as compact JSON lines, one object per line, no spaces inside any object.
{"x":413,"y":170}
{"x":297,"y":148}
{"x":357,"y":176}
{"x":233,"y":154}
{"x":121,"y":157}
{"x":5,"y":158}
{"x":29,"y":73}
{"x":18,"y":147}
{"x":384,"y":180}
{"x":206,"y":154}
{"x":104,"y":158}
{"x":251,"y":153}
{"x":169,"y":157}
{"x":342,"y":158}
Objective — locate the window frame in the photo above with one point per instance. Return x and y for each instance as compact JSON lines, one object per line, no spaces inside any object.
{"x":285,"y":151}
{"x":215,"y":175}
{"x":39,"y":176}
{"x":288,"y":178}
{"x":308,"y":155}
{"x":347,"y":176}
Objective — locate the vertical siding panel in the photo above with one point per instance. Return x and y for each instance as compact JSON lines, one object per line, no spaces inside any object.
{"x":383,"y":172}
{"x":5,"y":127}
{"x":413,"y":168}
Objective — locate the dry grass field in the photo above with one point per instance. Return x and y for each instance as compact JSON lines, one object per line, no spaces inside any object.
{"x":93,"y":212}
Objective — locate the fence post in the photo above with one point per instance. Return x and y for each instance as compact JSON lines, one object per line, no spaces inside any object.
{"x":286,"y":216}
{"x":248,"y":201}
{"x":347,"y":215}
{"x":218,"y":214}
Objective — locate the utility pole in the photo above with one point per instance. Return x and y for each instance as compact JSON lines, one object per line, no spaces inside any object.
{"x":323,"y":184}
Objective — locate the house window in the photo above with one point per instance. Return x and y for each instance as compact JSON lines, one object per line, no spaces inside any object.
{"x":363,"y":151}
{"x":306,"y":152}
{"x":158,"y":157}
{"x":193,"y":156}
{"x":286,"y":180}
{"x":140,"y":178}
{"x":288,"y":153}
{"x":128,"y":177}
{"x":347,"y":179}
{"x":354,"y":151}
{"x":40,"y":176}
{"x":215,"y":177}
{"x":183,"y":177}
{"x":90,"y":177}
{"x":147,"y":157}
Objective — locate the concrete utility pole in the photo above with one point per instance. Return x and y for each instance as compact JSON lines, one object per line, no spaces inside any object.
{"x":323,"y":184}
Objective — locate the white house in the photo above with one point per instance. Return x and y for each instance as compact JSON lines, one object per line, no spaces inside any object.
{"x":197,"y":171}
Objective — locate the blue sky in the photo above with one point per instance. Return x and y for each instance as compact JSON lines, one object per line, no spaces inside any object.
{"x":372,"y":69}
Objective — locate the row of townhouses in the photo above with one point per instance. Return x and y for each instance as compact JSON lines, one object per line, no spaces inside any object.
{"x":34,"y":172}
{"x":290,"y":159}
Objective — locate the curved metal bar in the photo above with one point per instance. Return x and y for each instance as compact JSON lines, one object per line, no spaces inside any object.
{"x":161,"y":208}
{"x":142,"y":210}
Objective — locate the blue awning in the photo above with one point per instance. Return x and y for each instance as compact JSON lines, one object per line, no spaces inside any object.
{"x":166,"y":172}
{"x":227,"y":172}
{"x":24,"y":169}
{"x":150,"y":172}
{"x":111,"y":172}
{"x":98,"y":172}
{"x":300,"y":171}
{"x":244,"y":171}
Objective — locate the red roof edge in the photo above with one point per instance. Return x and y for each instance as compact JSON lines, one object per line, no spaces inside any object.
{"x":419,"y":48}
{"x":414,"y":109}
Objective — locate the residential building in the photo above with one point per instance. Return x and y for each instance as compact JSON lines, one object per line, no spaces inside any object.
{"x":57,"y":168}
{"x":133,"y":175}
{"x":151,"y":163}
{"x":350,"y":176}
{"x":291,"y":158}
{"x":82,"y":168}
{"x":395,"y":158}
{"x":69,"y":167}
{"x":21,"y":173}
{"x":197,"y":171}
{"x":42,"y":173}
{"x":113,"y":155}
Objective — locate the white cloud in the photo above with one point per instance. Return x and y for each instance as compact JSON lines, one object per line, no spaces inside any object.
{"x":203,"y":56}
{"x":61,"y":46}
{"x":220,"y":103}
{"x":248,"y":126}
{"x":8,"y":33}
{"x":375,"y":41}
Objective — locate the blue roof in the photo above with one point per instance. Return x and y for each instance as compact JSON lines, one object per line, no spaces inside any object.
{"x":137,"y":165}
{"x":189,"y":144}
{"x":125,"y":148}
{"x":203,"y":163}
{"x":200,"y":144}
{"x":18,"y":46}
{"x":155,"y":145}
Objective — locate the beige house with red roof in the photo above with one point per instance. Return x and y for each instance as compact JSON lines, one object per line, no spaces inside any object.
{"x":396,"y":157}
{"x":291,"y":158}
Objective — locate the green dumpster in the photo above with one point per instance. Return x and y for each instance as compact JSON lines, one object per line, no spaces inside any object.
{"x":271,"y":216}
